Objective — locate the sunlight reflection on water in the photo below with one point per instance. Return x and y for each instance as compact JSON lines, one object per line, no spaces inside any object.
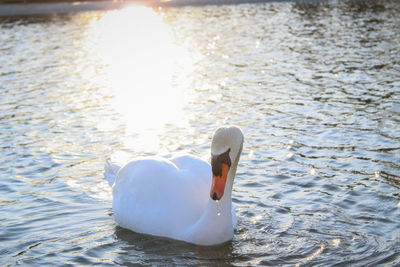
{"x":142,"y":62}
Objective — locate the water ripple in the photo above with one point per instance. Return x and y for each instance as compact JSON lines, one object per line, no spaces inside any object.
{"x":314,"y":86}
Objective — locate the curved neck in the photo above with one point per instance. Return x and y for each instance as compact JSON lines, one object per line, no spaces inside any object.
{"x":229,"y":181}
{"x":215,"y":225}
{"x":226,"y":200}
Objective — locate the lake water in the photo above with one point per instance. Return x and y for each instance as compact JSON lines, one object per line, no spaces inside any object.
{"x":314,"y":86}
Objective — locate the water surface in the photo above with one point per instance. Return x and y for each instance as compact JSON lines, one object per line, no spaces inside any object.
{"x":314,"y":86}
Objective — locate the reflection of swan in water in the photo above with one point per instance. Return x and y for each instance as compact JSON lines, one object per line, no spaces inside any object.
{"x":172,"y":197}
{"x":145,"y":248}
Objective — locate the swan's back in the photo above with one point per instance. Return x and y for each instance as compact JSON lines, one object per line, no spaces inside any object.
{"x":161,"y":197}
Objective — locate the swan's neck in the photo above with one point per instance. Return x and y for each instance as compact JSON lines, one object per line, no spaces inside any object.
{"x":215,"y":224}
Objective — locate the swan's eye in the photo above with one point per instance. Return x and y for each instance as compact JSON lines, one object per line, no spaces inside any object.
{"x":216,"y":162}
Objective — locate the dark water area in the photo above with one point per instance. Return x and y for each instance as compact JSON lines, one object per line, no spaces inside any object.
{"x":315,"y":86}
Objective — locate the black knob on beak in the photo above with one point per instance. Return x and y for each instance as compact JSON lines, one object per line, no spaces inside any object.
{"x":215,"y":197}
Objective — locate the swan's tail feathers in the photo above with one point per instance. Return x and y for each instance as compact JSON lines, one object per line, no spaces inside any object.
{"x":110,"y":171}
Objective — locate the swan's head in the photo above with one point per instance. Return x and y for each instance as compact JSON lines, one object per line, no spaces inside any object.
{"x":226,"y":147}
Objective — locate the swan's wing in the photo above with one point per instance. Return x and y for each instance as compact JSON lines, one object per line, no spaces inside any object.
{"x":156,"y":196}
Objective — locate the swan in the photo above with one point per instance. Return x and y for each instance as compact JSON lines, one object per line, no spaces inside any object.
{"x":182,"y":197}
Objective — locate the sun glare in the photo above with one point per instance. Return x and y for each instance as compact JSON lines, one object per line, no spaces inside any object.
{"x":144,"y":66}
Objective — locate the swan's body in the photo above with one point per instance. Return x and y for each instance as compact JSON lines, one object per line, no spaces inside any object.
{"x":172,"y":197}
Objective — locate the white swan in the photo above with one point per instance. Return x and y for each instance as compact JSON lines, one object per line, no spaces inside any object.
{"x":182,"y":198}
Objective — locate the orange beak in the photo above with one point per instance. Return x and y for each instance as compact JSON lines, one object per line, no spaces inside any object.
{"x":218,"y":183}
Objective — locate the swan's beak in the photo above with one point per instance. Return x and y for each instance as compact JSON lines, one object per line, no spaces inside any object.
{"x":218,"y":183}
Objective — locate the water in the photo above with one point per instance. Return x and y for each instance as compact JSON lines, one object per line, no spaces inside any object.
{"x":314,"y":86}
